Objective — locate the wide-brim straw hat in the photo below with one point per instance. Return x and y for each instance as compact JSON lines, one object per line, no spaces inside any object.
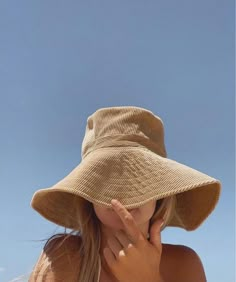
{"x":124,"y":157}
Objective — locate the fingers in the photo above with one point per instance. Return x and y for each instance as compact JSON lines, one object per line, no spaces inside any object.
{"x":155,"y":233}
{"x":124,"y":241}
{"x":114,"y":246}
{"x":128,"y":221}
{"x":119,"y":243}
{"x":109,"y":256}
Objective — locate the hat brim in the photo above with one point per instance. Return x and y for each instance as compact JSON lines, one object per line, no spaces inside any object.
{"x":135,"y":176}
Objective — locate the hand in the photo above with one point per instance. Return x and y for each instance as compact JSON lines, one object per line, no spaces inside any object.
{"x":130,"y":256}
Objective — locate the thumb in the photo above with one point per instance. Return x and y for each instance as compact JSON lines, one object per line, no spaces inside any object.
{"x":155,"y":233}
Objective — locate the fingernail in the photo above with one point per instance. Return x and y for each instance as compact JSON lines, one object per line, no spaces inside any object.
{"x":114,"y":202}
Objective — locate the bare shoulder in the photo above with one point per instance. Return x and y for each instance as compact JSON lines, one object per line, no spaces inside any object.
{"x":62,"y":242}
{"x":60,"y":258}
{"x":184,"y":262}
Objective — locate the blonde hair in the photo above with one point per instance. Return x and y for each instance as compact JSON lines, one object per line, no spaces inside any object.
{"x":90,"y":233}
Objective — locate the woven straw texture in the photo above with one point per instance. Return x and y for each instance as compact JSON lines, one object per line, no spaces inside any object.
{"x":124,"y":157}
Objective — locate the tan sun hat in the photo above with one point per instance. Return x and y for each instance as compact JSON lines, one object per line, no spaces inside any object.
{"x":124,"y":157}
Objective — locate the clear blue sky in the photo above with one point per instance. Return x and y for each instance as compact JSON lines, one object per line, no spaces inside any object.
{"x":62,"y":60}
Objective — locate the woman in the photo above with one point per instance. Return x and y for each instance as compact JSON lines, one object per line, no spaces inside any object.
{"x":124,"y":158}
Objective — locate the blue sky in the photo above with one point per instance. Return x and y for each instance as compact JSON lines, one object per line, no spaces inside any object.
{"x":61,"y":61}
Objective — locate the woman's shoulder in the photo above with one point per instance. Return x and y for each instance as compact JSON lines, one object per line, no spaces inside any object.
{"x":184,"y":262}
{"x":176,"y":249}
{"x":67,"y":242}
{"x":58,"y":259}
{"x":62,"y":247}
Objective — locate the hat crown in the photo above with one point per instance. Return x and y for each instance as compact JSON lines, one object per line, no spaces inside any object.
{"x":124,"y":126}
